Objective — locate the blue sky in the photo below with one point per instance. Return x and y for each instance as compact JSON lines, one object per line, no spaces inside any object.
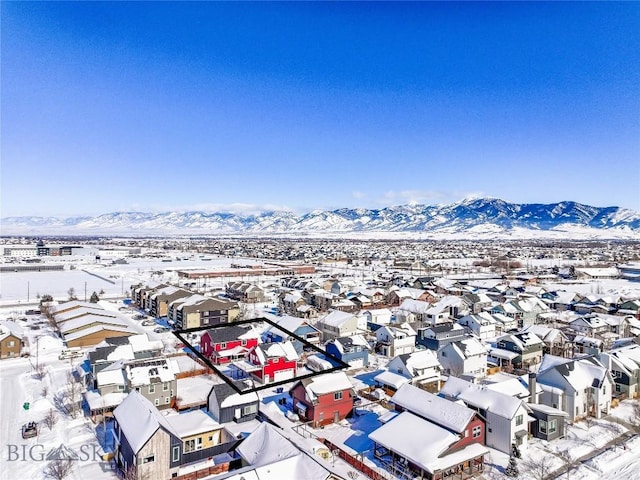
{"x":252,"y":106}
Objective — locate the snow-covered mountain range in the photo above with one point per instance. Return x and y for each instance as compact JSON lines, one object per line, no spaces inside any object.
{"x":471,"y":218}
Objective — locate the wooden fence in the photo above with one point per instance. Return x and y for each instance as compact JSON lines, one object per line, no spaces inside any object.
{"x":354,"y":462}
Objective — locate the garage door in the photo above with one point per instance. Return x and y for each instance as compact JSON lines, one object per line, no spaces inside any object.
{"x":283,"y":375}
{"x":357,"y":363}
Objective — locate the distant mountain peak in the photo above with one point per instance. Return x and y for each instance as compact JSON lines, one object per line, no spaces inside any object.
{"x":473,"y":217}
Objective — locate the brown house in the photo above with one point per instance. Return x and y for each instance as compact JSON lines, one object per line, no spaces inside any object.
{"x":10,"y":340}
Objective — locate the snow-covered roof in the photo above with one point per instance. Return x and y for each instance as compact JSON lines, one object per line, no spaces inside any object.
{"x":141,"y":343}
{"x":441,"y":411}
{"x":414,"y":306}
{"x":10,"y":328}
{"x":337,"y":318}
{"x":143,"y":375}
{"x":95,"y":329}
{"x":406,"y":435}
{"x":480,"y":396}
{"x":276,"y":457}
{"x":326,"y":383}
{"x":82,"y":312}
{"x":579,"y":373}
{"x":275,"y":350}
{"x":139,"y":419}
{"x":98,"y":402}
{"x":111,"y":377}
{"x":85,"y":321}
{"x":391,"y":379}
{"x":191,"y":423}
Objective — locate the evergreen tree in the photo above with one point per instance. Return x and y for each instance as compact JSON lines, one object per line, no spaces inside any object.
{"x":94,"y":298}
{"x":512,"y":468}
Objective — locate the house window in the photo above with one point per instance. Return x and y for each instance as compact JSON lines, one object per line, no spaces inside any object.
{"x":244,"y":343}
{"x":121,"y":388}
{"x":337,"y":396}
{"x":189,"y":446}
{"x":165,"y":387}
{"x":249,"y":409}
{"x":542,"y":426}
{"x":166,"y":400}
{"x":11,"y":343}
{"x":157,"y":401}
{"x":519,"y":420}
{"x":223,"y":345}
{"x":152,"y":389}
{"x":553,"y":426}
{"x":198,"y":443}
{"x":175,"y":454}
{"x":477,"y":430}
{"x":211,"y":438}
{"x":149,"y":459}
{"x":617,"y":387}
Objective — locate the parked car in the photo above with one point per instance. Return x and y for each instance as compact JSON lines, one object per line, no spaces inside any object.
{"x":161,"y":329}
{"x":29,"y":430}
{"x":71,"y":352}
{"x":149,"y":322}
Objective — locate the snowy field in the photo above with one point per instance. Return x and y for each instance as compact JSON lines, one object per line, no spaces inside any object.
{"x":115,"y":280}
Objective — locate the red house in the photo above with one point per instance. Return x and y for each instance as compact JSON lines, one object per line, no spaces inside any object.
{"x":272,"y":362}
{"x":323,"y":399}
{"x":456,"y":418}
{"x":226,"y":344}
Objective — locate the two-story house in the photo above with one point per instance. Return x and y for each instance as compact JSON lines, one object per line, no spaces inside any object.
{"x":506,"y":417}
{"x":323,"y":399}
{"x":580,"y":387}
{"x":395,"y":340}
{"x":11,"y":341}
{"x":353,"y":350}
{"x":413,"y":447}
{"x":296,"y":325}
{"x":481,"y":324}
{"x":273,"y":362}
{"x":437,"y":336}
{"x":337,"y":324}
{"x":227,"y":344}
{"x":466,"y":357}
{"x":226,"y":405}
{"x":149,"y":444}
{"x":422,"y":368}
{"x":528,"y":347}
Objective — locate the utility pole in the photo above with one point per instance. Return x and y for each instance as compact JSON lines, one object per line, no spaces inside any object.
{"x":85,"y":291}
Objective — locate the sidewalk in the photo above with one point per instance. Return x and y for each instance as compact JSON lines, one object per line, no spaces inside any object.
{"x":616,"y":442}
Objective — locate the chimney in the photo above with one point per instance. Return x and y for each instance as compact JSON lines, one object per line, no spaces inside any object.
{"x":533,"y":398}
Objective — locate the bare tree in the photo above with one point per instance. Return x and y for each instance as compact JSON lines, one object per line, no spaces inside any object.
{"x":74,"y":394}
{"x":40,"y":370}
{"x":567,"y":460}
{"x":134,"y":473}
{"x":634,"y":419}
{"x":59,"y":468}
{"x":50,"y":419}
{"x":540,"y":468}
{"x":72,"y":294}
{"x":45,"y":391}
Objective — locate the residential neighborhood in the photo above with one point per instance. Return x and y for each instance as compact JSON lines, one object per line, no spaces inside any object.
{"x":176,"y":379}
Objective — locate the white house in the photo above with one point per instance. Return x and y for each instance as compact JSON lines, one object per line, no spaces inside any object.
{"x":396,"y":340}
{"x":464,"y":357}
{"x":581,"y":387}
{"x":421,"y":368}
{"x":481,"y":324}
{"x":338,"y":324}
